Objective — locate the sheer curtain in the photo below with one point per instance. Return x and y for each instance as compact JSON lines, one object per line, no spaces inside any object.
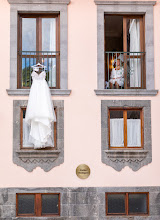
{"x":117,"y":132}
{"x":26,"y":132}
{"x":135,"y":63}
{"x":133,"y":132}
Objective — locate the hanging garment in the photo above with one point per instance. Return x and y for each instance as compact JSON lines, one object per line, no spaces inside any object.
{"x":40,"y":112}
{"x":135,"y":62}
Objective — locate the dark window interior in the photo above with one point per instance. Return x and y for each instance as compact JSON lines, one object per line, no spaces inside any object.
{"x":137,"y":203}
{"x":50,"y":204}
{"x":26,"y":204}
{"x":113,"y":33}
{"x":134,"y":114}
{"x":116,"y":203}
{"x":116,"y":114}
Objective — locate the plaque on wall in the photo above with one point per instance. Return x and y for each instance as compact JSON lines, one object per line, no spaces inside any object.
{"x":83,"y":171}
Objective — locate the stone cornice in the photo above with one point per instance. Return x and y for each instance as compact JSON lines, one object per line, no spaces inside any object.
{"x":39,"y":1}
{"x":104,"y":2}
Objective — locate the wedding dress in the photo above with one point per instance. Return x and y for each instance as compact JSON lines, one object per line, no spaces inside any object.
{"x":40,"y":112}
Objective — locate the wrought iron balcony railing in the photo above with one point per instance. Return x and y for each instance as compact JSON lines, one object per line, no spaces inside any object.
{"x":125,"y":70}
{"x":27,"y":59}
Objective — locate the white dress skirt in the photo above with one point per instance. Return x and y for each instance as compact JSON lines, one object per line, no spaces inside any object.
{"x":117,"y":76}
{"x":40,"y":112}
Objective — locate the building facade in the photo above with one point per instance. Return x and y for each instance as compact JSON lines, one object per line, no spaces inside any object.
{"x":102,"y":67}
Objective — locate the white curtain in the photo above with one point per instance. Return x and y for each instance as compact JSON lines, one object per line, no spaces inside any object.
{"x":133,"y":132}
{"x":117,"y":132}
{"x":26,"y":132}
{"x":135,"y":63}
{"x":26,"y":135}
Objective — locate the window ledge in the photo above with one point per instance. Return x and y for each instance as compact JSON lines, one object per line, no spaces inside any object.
{"x":125,"y":92}
{"x":132,"y":158}
{"x":106,"y":2}
{"x":25,"y":92}
{"x":41,"y":158}
{"x":39,"y":2}
{"x":119,"y":155}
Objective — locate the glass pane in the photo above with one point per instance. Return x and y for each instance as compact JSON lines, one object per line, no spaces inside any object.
{"x":26,"y":204}
{"x":27,"y":64}
{"x":138,"y":203}
{"x":133,"y":129}
{"x":49,"y":34}
{"x":50,"y":204}
{"x":116,"y":203}
{"x":26,"y":132}
{"x":116,"y":128}
{"x":50,"y":64}
{"x":28,"y":34}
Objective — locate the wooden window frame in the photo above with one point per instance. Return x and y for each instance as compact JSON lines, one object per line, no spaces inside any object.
{"x":125,"y":126}
{"x":142,"y":47}
{"x":21,"y":133}
{"x":38,"y":44}
{"x":37,"y":205}
{"x":127,"y":204}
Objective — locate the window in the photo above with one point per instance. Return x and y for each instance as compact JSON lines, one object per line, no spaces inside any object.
{"x":114,"y":37}
{"x":127,"y":203}
{"x":38,"y":204}
{"x":24,"y":154}
{"x":126,"y":138}
{"x":38,"y":42}
{"x":124,"y":52}
{"x":25,"y":130}
{"x":46,"y":23}
{"x":125,"y":128}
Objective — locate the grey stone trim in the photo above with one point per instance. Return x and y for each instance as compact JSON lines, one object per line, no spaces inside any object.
{"x":30,"y":159}
{"x":120,"y":158}
{"x":25,"y":92}
{"x":105,"y":2}
{"x":83,"y":203}
{"x":126,"y":92}
{"x":42,"y":8}
{"x":39,"y":1}
{"x":116,"y":7}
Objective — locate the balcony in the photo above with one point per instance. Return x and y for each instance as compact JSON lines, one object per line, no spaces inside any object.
{"x":50,"y":59}
{"x":125,"y":70}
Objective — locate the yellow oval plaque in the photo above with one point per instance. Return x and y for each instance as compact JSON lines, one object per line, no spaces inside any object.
{"x":83,"y":171}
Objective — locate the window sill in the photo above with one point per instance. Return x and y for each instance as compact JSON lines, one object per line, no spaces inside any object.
{"x":41,"y":157}
{"x":125,"y":92}
{"x":119,"y":155}
{"x":132,"y":158}
{"x":25,"y":92}
{"x":37,"y":155}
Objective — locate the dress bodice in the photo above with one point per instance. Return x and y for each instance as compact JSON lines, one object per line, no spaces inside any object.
{"x":37,"y":76}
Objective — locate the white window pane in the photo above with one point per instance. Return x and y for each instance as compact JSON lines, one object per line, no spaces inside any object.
{"x":117,"y":132}
{"x":133,"y":132}
{"x":29,"y":34}
{"x":49,"y":34}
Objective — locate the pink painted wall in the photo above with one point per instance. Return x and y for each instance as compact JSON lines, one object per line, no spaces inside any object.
{"x":82,"y":110}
